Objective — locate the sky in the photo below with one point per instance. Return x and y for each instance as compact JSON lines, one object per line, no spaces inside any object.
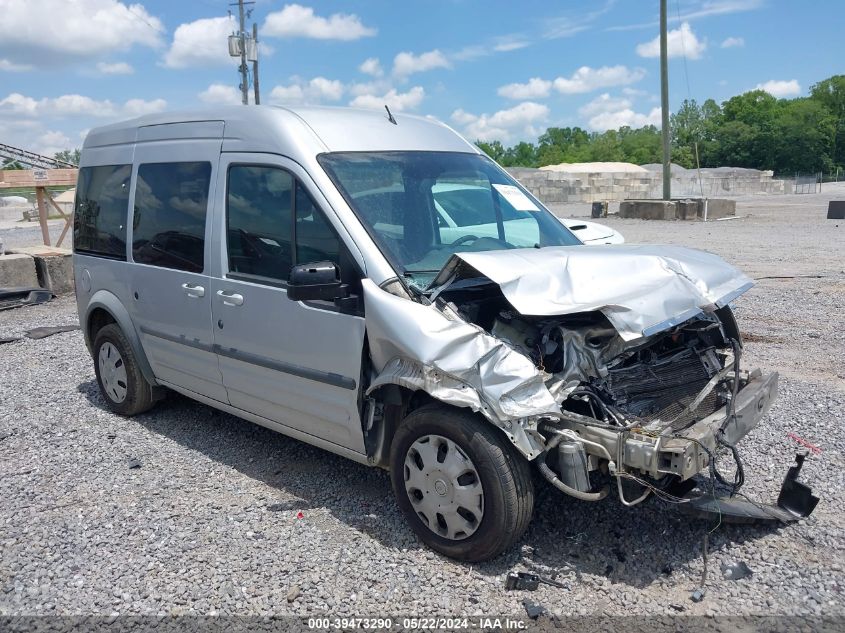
{"x":492,"y":69}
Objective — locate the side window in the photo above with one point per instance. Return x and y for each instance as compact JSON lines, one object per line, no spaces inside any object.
{"x":315,"y":239}
{"x":258,"y":221}
{"x":171,"y":203}
{"x":102,"y":206}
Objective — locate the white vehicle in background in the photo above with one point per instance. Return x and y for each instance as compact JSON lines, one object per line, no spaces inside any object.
{"x":462,"y":207}
{"x":593,"y":233}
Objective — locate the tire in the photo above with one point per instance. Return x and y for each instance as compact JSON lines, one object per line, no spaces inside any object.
{"x":121,"y":382}
{"x":507,"y":492}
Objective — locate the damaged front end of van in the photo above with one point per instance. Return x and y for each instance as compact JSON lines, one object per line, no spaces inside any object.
{"x":612,"y":369}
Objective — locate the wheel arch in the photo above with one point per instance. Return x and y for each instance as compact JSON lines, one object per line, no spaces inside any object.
{"x":104,"y":308}
{"x":392,"y":399}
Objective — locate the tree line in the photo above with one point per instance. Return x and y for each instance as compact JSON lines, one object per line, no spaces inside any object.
{"x":754,"y":129}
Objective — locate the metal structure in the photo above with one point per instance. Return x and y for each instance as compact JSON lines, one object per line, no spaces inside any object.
{"x":32,"y":159}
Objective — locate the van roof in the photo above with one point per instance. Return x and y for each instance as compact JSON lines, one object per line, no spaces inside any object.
{"x":291,"y":131}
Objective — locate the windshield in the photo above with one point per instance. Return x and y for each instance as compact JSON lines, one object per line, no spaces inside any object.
{"x":422,"y":207}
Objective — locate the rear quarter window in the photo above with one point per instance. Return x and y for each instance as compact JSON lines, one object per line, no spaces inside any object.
{"x":101,"y":211}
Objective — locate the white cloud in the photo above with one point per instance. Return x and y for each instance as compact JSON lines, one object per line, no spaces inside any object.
{"x":118,"y":68}
{"x":520,"y":121}
{"x":513,"y":45}
{"x":604,"y":103}
{"x":58,"y":31}
{"x":75,"y":105}
{"x":294,"y":20}
{"x":587,"y":79}
{"x":679,"y":42}
{"x":535,"y":88}
{"x":52,"y":142}
{"x":780,"y":88}
{"x":583,"y":80}
{"x":397,"y":101}
{"x":202,"y":42}
{"x":317,"y":90}
{"x":732,"y":42}
{"x":610,"y":113}
{"x":12,"y":67}
{"x":405,"y":64}
{"x":138,"y":107}
{"x":371,"y":66}
{"x":220,"y":94}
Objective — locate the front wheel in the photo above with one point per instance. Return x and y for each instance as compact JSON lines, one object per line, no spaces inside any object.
{"x":463,"y":488}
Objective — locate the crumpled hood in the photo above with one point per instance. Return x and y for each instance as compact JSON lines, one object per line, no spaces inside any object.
{"x":641,"y":289}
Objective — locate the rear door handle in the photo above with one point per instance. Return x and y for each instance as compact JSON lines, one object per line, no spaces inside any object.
{"x":193,"y":290}
{"x":230,"y":298}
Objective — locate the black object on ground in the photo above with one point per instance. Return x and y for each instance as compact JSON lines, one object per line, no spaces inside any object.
{"x":697,"y":595}
{"x":736,"y":570}
{"x":525,"y":581}
{"x":796,"y":501}
{"x":9,"y":339}
{"x":18,"y":297}
{"x":533,"y":610}
{"x":836,"y":210}
{"x":44,"y":332}
{"x":134,"y":463}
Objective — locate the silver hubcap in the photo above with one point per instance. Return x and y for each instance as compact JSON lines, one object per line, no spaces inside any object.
{"x":444,"y":487}
{"x":112,"y":372}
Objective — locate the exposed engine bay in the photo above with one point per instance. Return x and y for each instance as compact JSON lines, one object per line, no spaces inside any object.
{"x":653,"y":387}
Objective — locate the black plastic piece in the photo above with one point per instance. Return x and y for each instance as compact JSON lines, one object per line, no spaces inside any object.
{"x":795,"y":497}
{"x":17,"y":297}
{"x":796,"y":501}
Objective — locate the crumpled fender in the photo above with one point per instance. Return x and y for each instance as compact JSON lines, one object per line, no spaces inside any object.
{"x":420,"y":347}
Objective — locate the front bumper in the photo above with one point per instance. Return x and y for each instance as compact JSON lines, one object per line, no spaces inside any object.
{"x":682,"y":453}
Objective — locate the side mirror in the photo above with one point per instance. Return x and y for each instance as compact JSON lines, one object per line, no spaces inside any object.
{"x":316,"y":281}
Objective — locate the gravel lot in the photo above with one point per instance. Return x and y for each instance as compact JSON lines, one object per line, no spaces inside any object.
{"x":227,"y":517}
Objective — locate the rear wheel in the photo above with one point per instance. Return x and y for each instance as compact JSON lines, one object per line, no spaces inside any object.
{"x":463,"y":488}
{"x":121,"y":382}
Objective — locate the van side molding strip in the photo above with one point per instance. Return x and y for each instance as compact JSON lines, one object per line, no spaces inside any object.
{"x":336,"y":380}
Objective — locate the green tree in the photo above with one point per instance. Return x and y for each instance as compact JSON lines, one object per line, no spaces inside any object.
{"x":68,"y":156}
{"x":806,"y":132}
{"x":520,"y":155}
{"x":494,"y":150}
{"x":831,"y":94}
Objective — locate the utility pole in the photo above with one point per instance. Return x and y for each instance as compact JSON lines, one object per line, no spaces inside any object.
{"x":244,"y":75}
{"x":257,"y":99}
{"x":664,"y":104}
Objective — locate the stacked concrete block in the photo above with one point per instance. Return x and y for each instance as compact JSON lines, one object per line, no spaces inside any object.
{"x":17,"y":271}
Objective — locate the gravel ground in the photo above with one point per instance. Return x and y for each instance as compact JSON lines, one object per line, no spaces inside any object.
{"x":227,"y":517}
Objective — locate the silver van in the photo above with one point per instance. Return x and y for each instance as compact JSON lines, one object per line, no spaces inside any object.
{"x":378,"y":287}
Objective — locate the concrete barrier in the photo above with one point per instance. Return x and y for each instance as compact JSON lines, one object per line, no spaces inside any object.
{"x":685,"y":209}
{"x":17,"y":271}
{"x":53,"y":266}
